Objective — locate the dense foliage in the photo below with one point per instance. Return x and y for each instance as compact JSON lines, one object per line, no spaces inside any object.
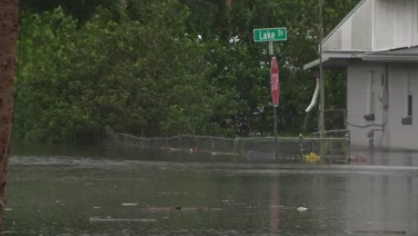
{"x":159,"y":68}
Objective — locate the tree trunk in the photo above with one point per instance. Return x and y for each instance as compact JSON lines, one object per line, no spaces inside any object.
{"x":8,"y":40}
{"x":228,"y":3}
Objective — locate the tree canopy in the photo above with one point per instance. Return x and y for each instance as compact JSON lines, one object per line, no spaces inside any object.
{"x":164,"y":67}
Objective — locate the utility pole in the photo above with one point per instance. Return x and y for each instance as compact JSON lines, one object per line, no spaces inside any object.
{"x":322,"y":142}
{"x":321,"y":74}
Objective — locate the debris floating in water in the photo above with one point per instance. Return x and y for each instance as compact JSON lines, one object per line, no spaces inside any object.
{"x":225,"y":153}
{"x":96,"y":219}
{"x":227,"y":201}
{"x":8,"y":209}
{"x":96,"y":207}
{"x":179,"y":208}
{"x":302,"y":209}
{"x":380,"y":232}
{"x":129,"y":204}
{"x":311,"y":158}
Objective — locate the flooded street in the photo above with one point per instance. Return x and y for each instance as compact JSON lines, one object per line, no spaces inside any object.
{"x":93,"y":191}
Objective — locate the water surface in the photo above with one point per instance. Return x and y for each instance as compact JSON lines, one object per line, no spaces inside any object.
{"x":106,"y":191}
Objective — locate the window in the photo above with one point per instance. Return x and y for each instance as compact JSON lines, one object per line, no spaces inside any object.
{"x":382,"y":82}
{"x":409,"y":102}
{"x":409,"y":105}
{"x":371,"y":98}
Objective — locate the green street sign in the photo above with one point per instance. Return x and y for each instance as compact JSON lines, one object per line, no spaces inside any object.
{"x":270,"y":34}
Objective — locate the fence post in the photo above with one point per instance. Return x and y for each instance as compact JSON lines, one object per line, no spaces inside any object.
{"x":312,"y":146}
{"x":347,"y":135}
{"x":301,"y":144}
{"x":331,"y":139}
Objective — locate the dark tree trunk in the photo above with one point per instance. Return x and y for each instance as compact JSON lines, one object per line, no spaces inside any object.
{"x":228,"y":3}
{"x":8,"y":40}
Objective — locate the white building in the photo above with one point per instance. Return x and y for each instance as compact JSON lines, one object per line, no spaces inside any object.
{"x":377,"y":43}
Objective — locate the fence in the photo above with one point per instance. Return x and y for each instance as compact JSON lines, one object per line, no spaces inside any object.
{"x":245,"y":147}
{"x":335,"y":119}
{"x":339,"y":133}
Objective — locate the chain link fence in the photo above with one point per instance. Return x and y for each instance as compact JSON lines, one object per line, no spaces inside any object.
{"x":257,"y":147}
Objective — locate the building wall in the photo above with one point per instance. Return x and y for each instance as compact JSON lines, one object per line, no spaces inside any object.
{"x":402,"y":136}
{"x":358,"y":79}
{"x":394,"y":24}
{"x":359,"y":90}
{"x":354,"y":33}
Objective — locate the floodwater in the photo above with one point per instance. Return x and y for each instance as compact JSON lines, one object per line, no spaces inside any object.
{"x":105,"y":191}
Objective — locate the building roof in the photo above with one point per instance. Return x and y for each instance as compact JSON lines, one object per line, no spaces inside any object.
{"x":400,"y":55}
{"x":333,"y":31}
{"x":333,"y":60}
{"x":372,"y":30}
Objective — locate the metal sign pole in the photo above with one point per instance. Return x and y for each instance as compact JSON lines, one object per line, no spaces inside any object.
{"x":276,"y":152}
{"x":270,"y":35}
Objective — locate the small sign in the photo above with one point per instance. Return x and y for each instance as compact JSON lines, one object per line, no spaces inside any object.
{"x":270,"y":34}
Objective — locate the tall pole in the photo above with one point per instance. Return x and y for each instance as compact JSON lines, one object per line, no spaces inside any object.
{"x":276,"y":151}
{"x":322,"y":144}
{"x":321,"y":74}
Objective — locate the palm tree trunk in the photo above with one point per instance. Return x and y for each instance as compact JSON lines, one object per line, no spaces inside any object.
{"x":8,"y":40}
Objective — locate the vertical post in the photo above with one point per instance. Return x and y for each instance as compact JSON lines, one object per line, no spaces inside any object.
{"x":321,"y":72}
{"x":301,"y":144}
{"x":276,"y":152}
{"x":271,"y":51}
{"x":276,"y":146}
{"x":322,"y":83}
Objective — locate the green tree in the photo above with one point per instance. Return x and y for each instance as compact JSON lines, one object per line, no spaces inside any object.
{"x":159,"y":68}
{"x":144,"y":78}
{"x":81,"y":10}
{"x":243,"y":66}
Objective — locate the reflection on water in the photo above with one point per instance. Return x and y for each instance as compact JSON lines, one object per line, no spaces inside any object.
{"x":389,"y":158}
{"x":275,"y":207}
{"x":114,"y":192}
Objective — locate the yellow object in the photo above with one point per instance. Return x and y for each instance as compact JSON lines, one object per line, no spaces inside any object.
{"x":311,"y":157}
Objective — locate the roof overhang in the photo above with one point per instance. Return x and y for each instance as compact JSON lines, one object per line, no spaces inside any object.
{"x":327,"y":63}
{"x":395,"y":55}
{"x":391,"y":58}
{"x":338,"y":60}
{"x":334,"y":60}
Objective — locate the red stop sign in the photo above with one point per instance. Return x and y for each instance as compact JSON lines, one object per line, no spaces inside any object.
{"x":274,"y":81}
